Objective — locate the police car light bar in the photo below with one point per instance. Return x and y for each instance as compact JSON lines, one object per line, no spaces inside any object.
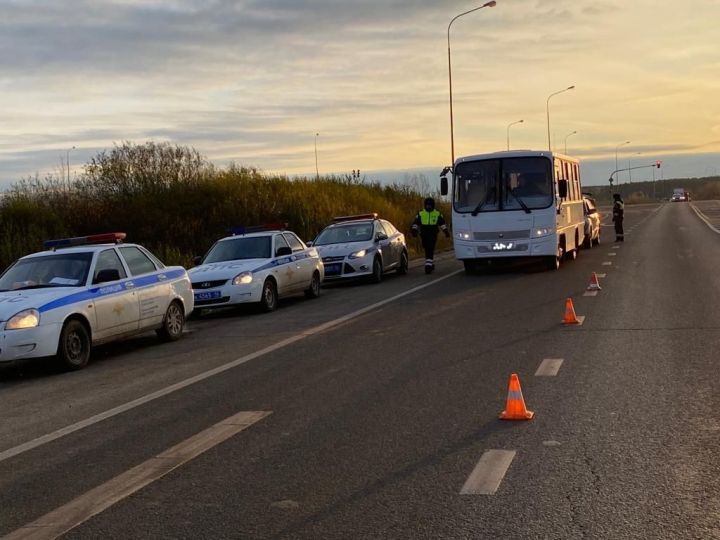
{"x":107,"y":238}
{"x":238,"y":231}
{"x":355,"y":218}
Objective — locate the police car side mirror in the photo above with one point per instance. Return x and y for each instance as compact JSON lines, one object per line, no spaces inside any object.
{"x":197,"y":261}
{"x":283,"y":251}
{"x":562,"y":188}
{"x":309,"y":244}
{"x":379,"y":237}
{"x":106,"y":275}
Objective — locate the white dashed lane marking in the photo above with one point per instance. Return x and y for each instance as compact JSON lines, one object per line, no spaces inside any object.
{"x":607,"y":263}
{"x":612,"y":254}
{"x":602,"y":276}
{"x":98,"y":499}
{"x":590,"y":293}
{"x":549,"y":367}
{"x":489,"y":472}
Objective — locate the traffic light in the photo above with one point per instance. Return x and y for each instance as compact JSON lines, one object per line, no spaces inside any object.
{"x":658,"y":163}
{"x":611,"y":181}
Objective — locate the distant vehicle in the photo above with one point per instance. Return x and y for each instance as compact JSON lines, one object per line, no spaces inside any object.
{"x":86,"y":291}
{"x":256,"y":265}
{"x":361,"y":246}
{"x":592,"y":222}
{"x":680,"y":195}
{"x":516,"y":204}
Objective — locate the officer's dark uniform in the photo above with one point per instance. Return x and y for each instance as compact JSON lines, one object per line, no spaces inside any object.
{"x":429,"y":222}
{"x":618,"y":216}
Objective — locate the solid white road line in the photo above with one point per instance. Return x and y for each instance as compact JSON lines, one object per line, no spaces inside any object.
{"x":488,"y":473}
{"x":549,"y":367}
{"x":98,"y":499}
{"x":704,"y":218}
{"x":39,"y":441}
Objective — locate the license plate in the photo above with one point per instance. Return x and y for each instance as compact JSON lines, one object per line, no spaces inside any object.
{"x":332,"y":269}
{"x":501,"y":246}
{"x":210,"y":295}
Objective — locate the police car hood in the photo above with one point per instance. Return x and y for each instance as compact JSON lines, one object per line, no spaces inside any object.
{"x":224,"y":270}
{"x":343,"y":250}
{"x":13,"y":302}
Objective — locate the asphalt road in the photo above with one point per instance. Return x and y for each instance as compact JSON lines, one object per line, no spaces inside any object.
{"x":378,"y":420}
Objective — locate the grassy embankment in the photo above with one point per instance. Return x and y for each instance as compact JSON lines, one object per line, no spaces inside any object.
{"x":176,"y":203}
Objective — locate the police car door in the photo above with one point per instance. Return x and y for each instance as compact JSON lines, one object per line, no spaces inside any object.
{"x":303,"y":263}
{"x":116,"y":306}
{"x":153,"y":291}
{"x":384,"y":245}
{"x":286,"y":271}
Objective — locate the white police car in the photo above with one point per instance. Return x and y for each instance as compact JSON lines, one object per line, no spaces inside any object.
{"x":361,"y":246}
{"x":256,"y":265}
{"x":86,"y":291}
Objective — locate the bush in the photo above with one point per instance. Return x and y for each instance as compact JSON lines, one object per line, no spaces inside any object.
{"x":173,"y":201}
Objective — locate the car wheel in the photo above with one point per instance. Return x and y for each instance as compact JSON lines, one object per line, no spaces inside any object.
{"x":269,"y":298}
{"x":74,"y":346}
{"x":597,"y":240}
{"x":173,"y":323}
{"x":404,"y":264}
{"x":377,"y":272}
{"x":314,"y":290}
{"x":587,"y":241}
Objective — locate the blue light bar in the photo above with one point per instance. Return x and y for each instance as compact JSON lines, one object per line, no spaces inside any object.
{"x":107,"y":238}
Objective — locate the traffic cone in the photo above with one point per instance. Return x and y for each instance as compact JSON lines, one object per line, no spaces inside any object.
{"x":515,"y":406}
{"x":594,"y":283}
{"x":570,"y":317}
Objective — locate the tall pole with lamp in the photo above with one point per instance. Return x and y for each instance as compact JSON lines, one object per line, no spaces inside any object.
{"x":508,"y":131}
{"x":567,"y":137}
{"x":547,"y":111}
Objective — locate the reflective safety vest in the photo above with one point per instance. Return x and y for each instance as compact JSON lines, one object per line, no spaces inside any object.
{"x":429,"y":218}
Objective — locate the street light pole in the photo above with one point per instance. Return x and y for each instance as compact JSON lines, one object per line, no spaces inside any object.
{"x":547,"y":110}
{"x":67,"y":162}
{"x":317,"y":171}
{"x":567,"y":137}
{"x":630,"y":168}
{"x":508,"y":131}
{"x":452,"y":128}
{"x":616,"y":157}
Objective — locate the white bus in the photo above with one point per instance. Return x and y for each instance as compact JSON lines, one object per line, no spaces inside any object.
{"x":519,"y":203}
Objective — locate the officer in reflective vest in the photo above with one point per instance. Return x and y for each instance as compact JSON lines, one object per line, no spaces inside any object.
{"x":428,"y":222}
{"x":618,"y":216}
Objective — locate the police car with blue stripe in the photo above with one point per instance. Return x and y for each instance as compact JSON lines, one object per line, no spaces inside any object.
{"x":256,"y":265}
{"x":87,"y":291}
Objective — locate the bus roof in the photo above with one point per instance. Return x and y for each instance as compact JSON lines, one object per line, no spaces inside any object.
{"x":516,"y":154}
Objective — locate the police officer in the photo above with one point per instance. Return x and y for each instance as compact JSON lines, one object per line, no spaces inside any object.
{"x":428,"y":222}
{"x":618,"y":216}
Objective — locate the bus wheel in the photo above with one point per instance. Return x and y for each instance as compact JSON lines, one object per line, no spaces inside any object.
{"x":553,"y":263}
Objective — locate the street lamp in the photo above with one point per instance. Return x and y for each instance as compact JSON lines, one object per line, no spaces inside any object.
{"x":452,"y":134}
{"x":616,"y":157}
{"x":67,"y":162}
{"x":317,"y":171}
{"x":508,"y":131}
{"x":567,"y":137}
{"x":547,"y":110}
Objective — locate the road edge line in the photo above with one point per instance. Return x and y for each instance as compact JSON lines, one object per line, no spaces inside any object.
{"x":704,"y":218}
{"x":99,"y":417}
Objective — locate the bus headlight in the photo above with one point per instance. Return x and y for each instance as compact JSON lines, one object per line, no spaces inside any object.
{"x":29,"y":318}
{"x":463,"y":235}
{"x":540,"y":232}
{"x":243,"y":279}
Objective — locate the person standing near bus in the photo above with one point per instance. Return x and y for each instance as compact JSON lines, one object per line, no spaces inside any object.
{"x":429,"y":222}
{"x":618,"y":216}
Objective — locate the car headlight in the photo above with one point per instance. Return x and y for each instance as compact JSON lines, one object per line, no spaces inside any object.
{"x":243,"y":279}
{"x":463,"y":235}
{"x":540,"y":232}
{"x":29,"y":318}
{"x":358,"y":254}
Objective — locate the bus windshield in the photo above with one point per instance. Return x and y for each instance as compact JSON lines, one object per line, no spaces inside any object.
{"x":503,"y":184}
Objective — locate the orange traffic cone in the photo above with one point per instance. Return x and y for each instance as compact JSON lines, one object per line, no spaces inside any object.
{"x":594,"y":283}
{"x":570,"y":317}
{"x":515,"y":406}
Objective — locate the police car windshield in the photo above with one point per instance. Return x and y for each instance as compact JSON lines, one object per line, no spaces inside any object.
{"x":57,"y":270}
{"x":253,"y":247}
{"x":342,"y":234}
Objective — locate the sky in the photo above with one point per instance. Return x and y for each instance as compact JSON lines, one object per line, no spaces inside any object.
{"x":260,"y":82}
